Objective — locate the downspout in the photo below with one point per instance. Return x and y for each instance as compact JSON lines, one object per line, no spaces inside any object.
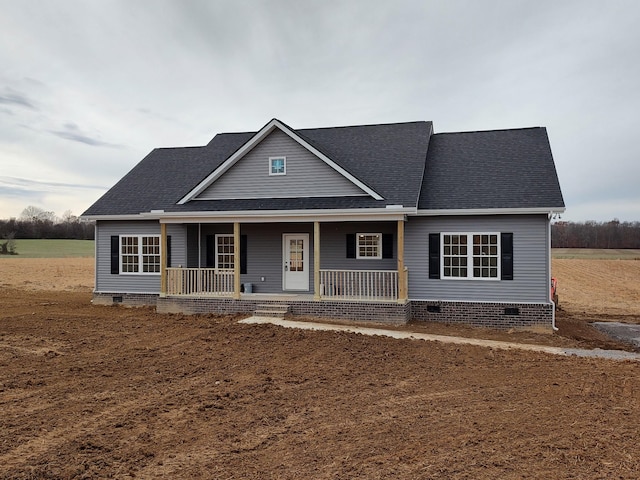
{"x":199,"y":246}
{"x":553,"y":315}
{"x":95,"y":256}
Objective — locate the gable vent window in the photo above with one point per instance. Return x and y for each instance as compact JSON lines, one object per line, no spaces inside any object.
{"x":277,"y":165}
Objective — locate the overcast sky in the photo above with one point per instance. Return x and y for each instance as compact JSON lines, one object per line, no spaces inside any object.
{"x":89,"y":87}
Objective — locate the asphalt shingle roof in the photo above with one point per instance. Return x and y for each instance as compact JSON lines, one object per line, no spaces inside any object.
{"x":490,"y":169}
{"x":497,"y":169}
{"x":389,"y":158}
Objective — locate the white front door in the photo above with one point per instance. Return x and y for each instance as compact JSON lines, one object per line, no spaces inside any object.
{"x":296,"y":261}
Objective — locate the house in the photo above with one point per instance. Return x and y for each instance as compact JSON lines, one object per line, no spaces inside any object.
{"x":372,"y":222}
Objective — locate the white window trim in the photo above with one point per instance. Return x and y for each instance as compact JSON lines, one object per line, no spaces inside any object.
{"x":139,"y":255}
{"x":379,"y":256}
{"x":470,"y":257}
{"x":223,"y":235}
{"x":284,"y":160}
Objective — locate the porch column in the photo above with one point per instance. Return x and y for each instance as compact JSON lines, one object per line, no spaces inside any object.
{"x":236,"y":260}
{"x":402,"y":276}
{"x":316,"y":261}
{"x":163,"y":259}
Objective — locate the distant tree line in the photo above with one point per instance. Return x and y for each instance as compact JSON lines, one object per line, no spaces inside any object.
{"x":590,"y":234}
{"x":34,"y":222}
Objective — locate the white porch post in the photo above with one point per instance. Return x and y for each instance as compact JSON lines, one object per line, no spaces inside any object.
{"x":236,"y":260}
{"x":316,"y":261}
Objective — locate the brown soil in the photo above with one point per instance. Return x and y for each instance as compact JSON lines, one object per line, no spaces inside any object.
{"x":110,"y":392}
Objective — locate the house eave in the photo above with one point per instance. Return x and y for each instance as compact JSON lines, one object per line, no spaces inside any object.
{"x":489,"y":211}
{"x":278,"y":216}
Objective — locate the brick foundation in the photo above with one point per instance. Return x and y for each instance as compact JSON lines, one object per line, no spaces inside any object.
{"x":127,"y":299}
{"x":527,"y":316}
{"x":396,"y":313}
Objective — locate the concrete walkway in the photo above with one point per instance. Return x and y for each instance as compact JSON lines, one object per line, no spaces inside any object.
{"x":597,"y":353}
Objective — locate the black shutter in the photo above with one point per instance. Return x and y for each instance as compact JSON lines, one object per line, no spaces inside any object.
{"x":115,"y":254}
{"x":211,"y":248}
{"x":243,"y":254}
{"x":434,"y":255}
{"x":351,"y":245}
{"x":387,"y":245}
{"x":168,"y":251}
{"x":506,"y":261}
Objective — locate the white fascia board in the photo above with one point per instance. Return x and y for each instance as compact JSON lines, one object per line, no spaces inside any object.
{"x":257,"y":138}
{"x":273,"y":216}
{"x":490,"y":211}
{"x":135,"y":216}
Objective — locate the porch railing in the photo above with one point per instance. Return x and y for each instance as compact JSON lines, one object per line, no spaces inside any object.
{"x":200,"y":281}
{"x":359,"y":284}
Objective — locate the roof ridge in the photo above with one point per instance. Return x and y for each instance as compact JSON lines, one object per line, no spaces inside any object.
{"x":178,"y":148}
{"x":492,"y":130}
{"x":363,"y":125}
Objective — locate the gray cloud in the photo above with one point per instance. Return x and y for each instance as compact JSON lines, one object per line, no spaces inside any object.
{"x":17,"y":183}
{"x":11,"y":97}
{"x":168,"y":73}
{"x":71,"y":132}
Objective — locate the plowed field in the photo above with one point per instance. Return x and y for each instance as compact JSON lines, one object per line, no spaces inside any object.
{"x":602,"y":287}
{"x":107,"y":392}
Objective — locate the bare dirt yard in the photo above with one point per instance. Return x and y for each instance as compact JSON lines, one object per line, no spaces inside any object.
{"x":110,"y":392}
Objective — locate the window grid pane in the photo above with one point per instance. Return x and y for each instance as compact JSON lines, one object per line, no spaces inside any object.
{"x":485,"y":256}
{"x":129,"y":251}
{"x":455,"y":256}
{"x":369,"y":245}
{"x":296,"y":255}
{"x":151,"y":254}
{"x":225,"y":252}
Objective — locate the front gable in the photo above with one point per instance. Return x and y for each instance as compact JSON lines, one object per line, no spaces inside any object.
{"x":307,"y":172}
{"x":302,"y":174}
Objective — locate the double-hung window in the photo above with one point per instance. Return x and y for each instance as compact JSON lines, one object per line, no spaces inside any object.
{"x":369,"y":245}
{"x":225,"y":251}
{"x":470,"y":255}
{"x":140,"y":254}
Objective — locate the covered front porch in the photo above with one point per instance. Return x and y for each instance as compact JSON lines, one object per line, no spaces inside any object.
{"x":279,"y":260}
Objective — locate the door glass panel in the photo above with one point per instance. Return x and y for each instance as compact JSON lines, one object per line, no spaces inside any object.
{"x":296,"y":255}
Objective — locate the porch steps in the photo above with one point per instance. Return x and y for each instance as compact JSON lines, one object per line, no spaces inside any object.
{"x":273,"y":310}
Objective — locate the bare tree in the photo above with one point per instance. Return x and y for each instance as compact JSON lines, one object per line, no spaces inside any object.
{"x":32,"y":213}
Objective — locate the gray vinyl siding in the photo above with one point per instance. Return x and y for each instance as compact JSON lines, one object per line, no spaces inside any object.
{"x":306,"y":175}
{"x":264,"y":255}
{"x":178,"y":235}
{"x":531,"y":274}
{"x":122,"y":283}
{"x":112,"y":283}
{"x":264,"y":249}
